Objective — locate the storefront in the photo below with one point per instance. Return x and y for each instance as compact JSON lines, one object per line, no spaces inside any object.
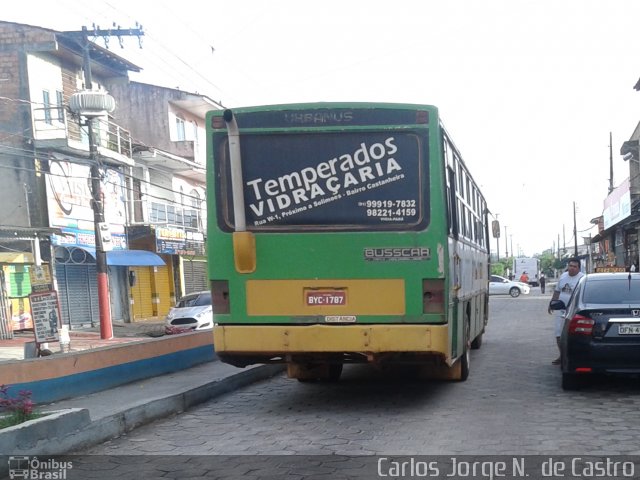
{"x":15,"y":288}
{"x":77,"y":284}
{"x":184,"y":252}
{"x":619,"y":234}
{"x":20,"y":252}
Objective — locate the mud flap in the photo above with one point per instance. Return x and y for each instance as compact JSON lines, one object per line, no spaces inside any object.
{"x":443,"y":371}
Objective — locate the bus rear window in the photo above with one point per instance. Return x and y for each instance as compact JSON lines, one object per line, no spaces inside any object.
{"x":348,"y":181}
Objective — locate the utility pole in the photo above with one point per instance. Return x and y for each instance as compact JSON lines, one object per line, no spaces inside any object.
{"x":511,"y":241}
{"x":610,"y":163}
{"x":90,"y":104}
{"x":497,"y":235}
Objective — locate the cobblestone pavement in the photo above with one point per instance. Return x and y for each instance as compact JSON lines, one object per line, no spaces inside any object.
{"x":512,"y":404}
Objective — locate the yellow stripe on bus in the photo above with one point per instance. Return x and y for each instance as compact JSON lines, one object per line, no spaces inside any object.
{"x":363,"y":297}
{"x":246,"y":339}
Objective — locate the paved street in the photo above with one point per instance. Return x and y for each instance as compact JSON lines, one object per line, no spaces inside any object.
{"x":512,"y":404}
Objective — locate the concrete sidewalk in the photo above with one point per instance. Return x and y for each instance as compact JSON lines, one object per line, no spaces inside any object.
{"x":82,"y":339}
{"x":74,"y":424}
{"x":81,"y":422}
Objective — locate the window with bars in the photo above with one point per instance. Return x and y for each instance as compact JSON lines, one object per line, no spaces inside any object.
{"x":180,"y":128}
{"x":60,"y":106}
{"x":46,"y":102}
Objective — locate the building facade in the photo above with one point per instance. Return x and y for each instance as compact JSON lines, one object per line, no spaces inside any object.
{"x":151,"y":177}
{"x":169,"y":182}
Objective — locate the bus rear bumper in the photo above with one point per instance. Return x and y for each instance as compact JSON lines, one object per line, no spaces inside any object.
{"x":243,"y":345}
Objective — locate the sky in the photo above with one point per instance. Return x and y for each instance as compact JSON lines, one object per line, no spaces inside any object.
{"x":528,"y":90}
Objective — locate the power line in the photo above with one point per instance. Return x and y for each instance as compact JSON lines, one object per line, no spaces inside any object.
{"x":160,"y":60}
{"x":126,"y":176}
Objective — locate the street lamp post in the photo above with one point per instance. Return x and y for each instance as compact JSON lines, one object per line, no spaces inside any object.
{"x":104,"y":300}
{"x":506,"y":249}
{"x":90,"y":104}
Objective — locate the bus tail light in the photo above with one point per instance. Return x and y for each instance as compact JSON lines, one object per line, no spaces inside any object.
{"x":433,"y":296}
{"x":220,"y":296}
{"x":580,"y":325}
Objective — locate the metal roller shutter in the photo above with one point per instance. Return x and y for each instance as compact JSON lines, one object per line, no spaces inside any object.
{"x":195,"y":275}
{"x":6,"y":327}
{"x":78,"y":294}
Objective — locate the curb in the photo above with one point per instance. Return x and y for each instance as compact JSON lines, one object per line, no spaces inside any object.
{"x":33,"y":435}
{"x":64,"y":431}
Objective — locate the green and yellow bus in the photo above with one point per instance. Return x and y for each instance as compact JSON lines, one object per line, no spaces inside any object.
{"x":344,"y":233}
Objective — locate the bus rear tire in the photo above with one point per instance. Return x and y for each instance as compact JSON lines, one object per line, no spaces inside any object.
{"x":310,"y":373}
{"x":477,"y":342}
{"x":335,"y":371}
{"x":465,"y":358}
{"x":464,"y":365}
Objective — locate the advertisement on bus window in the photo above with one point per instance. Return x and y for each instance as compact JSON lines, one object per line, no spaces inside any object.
{"x":349,"y":179}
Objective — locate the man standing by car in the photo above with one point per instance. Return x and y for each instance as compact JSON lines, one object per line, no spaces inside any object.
{"x":565,"y":286}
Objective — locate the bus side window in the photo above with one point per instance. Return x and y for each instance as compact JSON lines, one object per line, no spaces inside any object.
{"x":452,"y":211}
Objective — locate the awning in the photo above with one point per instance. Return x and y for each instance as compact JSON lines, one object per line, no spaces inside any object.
{"x":128,"y":258}
{"x":133,"y":258}
{"x":16,"y":257}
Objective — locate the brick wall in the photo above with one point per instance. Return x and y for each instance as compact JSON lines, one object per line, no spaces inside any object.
{"x":20,"y":187}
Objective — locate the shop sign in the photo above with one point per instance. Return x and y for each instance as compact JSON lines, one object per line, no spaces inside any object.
{"x":45,"y":312}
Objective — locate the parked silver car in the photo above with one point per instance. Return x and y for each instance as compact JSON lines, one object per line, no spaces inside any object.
{"x":193,"y":312}
{"x":502,"y":286}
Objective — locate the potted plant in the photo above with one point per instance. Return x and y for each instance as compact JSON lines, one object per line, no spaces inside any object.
{"x":15,"y":410}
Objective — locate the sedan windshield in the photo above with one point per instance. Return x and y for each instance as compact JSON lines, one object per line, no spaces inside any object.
{"x":196,"y":300}
{"x":612,"y":291}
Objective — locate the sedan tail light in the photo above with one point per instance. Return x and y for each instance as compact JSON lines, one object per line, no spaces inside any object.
{"x":580,"y":325}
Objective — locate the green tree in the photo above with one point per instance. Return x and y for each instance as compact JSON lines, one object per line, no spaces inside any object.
{"x":547,"y":263}
{"x":500,"y":267}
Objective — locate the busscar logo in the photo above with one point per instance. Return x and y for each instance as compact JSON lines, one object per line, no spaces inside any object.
{"x":386,"y":254}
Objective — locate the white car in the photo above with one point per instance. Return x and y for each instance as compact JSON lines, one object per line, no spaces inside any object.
{"x":193,"y":312}
{"x":502,"y":286}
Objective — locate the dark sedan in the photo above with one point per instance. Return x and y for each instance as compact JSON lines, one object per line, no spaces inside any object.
{"x":601,"y":332}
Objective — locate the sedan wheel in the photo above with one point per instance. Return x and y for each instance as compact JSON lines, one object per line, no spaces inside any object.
{"x":514,"y":292}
